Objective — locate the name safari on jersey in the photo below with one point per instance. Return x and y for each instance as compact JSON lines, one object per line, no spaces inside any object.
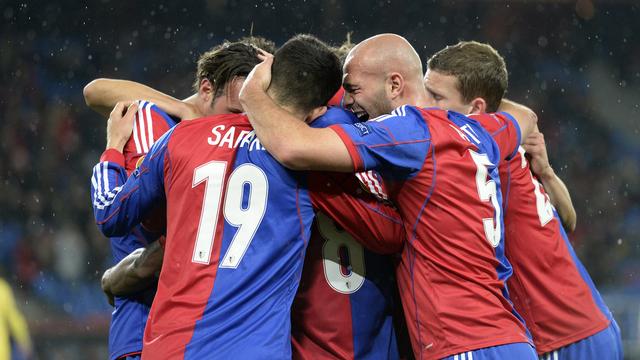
{"x":232,"y":140}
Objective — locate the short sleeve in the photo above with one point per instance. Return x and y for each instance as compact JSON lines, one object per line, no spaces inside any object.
{"x":504,"y":130}
{"x":395,"y":145}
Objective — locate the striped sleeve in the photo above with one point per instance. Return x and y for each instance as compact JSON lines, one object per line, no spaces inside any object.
{"x":119,"y":202}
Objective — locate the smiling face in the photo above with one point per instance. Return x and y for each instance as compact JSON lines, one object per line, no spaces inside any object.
{"x":443,"y":92}
{"x":365,"y":92}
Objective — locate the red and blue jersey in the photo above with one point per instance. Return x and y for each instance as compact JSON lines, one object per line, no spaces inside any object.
{"x":443,"y":175}
{"x":344,"y":305}
{"x":238,"y":225}
{"x":130,"y":313}
{"x":550,"y":287}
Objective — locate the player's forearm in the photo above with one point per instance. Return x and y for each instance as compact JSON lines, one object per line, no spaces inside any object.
{"x":560,"y":198}
{"x":526,"y":118}
{"x":101,"y":95}
{"x":134,"y":273}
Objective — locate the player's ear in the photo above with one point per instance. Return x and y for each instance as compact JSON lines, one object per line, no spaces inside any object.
{"x":395,"y":85}
{"x":315,"y":113}
{"x":478,"y":106}
{"x":206,"y":89}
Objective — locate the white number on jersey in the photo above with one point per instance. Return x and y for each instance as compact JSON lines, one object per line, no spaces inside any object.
{"x":334,"y":240}
{"x":543,"y":203}
{"x":487,"y":191}
{"x":246,"y":219}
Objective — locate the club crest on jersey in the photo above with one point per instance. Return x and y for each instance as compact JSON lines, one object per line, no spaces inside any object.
{"x":362,"y":128}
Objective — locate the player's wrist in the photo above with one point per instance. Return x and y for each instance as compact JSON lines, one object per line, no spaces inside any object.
{"x":547,"y":173}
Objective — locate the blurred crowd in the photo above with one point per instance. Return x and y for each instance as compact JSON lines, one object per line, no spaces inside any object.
{"x":575,"y":63}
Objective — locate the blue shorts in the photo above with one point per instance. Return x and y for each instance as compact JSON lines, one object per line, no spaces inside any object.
{"x":520,"y":351}
{"x":605,"y":345}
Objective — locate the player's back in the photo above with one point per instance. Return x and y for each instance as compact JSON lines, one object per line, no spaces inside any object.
{"x":236,"y":236}
{"x":343,"y":308}
{"x":550,"y":287}
{"x":454,"y":264}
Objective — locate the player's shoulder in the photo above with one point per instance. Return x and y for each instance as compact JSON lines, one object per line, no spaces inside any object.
{"x":334,"y":115}
{"x":149,"y":111}
{"x":220,"y":120}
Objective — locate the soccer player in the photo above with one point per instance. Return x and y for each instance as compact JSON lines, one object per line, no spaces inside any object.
{"x":445,"y":183}
{"x":550,"y":287}
{"x":219,"y":75}
{"x":238,"y":306}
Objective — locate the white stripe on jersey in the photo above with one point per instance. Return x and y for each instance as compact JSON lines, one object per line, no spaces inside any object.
{"x":103,"y":195}
{"x":379,"y":191}
{"x":136,"y":137}
{"x":149,"y":120}
{"x":470,"y":355}
{"x":143,"y":135}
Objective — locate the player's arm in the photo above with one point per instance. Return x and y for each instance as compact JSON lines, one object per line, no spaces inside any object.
{"x":290,"y":140}
{"x":526,"y":118}
{"x":120,"y":203}
{"x":102,"y":95}
{"x":391,"y":143}
{"x":374,"y":224}
{"x":558,"y":193}
{"x":134,"y":273}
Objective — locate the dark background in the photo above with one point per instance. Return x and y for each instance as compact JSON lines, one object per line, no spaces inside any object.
{"x":575,"y":62}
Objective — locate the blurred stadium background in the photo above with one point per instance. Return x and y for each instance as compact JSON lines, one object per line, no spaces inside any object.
{"x":575,"y":62}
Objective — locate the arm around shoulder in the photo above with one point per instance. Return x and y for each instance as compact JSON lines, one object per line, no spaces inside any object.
{"x":526,"y":118}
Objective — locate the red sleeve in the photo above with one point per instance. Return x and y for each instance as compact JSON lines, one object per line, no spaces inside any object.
{"x":356,"y":159}
{"x":112,"y":155}
{"x":374,"y":224}
{"x":504,"y":129}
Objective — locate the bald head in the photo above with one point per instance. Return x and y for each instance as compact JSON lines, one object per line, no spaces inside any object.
{"x":386,"y":53}
{"x":382,"y":73}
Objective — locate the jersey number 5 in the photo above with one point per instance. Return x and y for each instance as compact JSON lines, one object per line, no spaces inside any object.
{"x":245,"y":214}
{"x":487,"y":190}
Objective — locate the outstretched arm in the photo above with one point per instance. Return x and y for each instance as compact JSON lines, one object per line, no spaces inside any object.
{"x":134,"y":273}
{"x":526,"y":118}
{"x":289,"y":139}
{"x":102,"y":95}
{"x":558,"y":193}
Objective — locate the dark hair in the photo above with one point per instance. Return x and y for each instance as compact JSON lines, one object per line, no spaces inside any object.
{"x":305,"y":73}
{"x":480,"y":70}
{"x":259,"y":42}
{"x":223,"y":63}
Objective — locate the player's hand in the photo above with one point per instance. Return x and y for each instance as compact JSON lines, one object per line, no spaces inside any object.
{"x":535,"y":147}
{"x":120,"y":125}
{"x":259,"y":78}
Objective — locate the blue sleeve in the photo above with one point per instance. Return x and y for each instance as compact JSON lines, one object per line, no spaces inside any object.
{"x":396,"y":145}
{"x":120,"y":203}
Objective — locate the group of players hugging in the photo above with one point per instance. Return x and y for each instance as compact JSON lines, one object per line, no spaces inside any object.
{"x":339,"y":203}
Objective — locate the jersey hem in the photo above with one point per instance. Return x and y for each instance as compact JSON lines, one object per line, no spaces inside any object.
{"x":566,"y":341}
{"x":477,"y":346}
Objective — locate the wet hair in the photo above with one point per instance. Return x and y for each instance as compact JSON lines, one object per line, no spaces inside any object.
{"x":223,"y":63}
{"x":480,"y":70}
{"x":306,"y":73}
